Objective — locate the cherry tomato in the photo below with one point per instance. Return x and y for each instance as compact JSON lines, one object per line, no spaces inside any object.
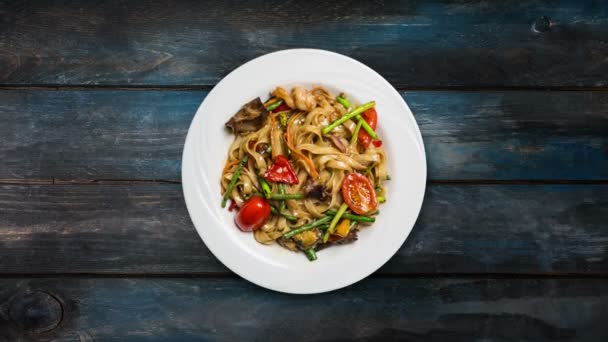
{"x":359,"y":194}
{"x":371,"y":116}
{"x":253,"y":214}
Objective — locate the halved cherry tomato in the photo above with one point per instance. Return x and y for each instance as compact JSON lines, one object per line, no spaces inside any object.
{"x":359,"y":194}
{"x":371,"y":116}
{"x":253,"y":214}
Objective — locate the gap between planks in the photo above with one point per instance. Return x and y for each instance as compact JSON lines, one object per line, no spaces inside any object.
{"x":205,"y":87}
{"x":54,"y":181}
{"x":230,"y":275}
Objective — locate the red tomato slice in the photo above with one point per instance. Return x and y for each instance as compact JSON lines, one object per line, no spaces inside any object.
{"x":371,"y":116}
{"x":253,"y":214}
{"x":358,"y":193}
{"x":281,"y":171}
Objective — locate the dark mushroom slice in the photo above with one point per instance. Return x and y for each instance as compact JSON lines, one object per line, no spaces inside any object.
{"x":315,"y":190}
{"x":250,"y":118}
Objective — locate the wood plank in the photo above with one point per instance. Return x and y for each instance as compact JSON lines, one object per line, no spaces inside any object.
{"x":234,"y":310}
{"x":145,"y":229}
{"x":413,"y":44}
{"x":90,"y":135}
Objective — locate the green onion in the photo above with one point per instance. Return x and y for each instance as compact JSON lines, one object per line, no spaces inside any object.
{"x":274,"y":105}
{"x":306,"y":227}
{"x":353,"y":139}
{"x":310,"y":254}
{"x":353,"y":217}
{"x":282,"y":204}
{"x":287,"y":216}
{"x":334,"y":222}
{"x":388,"y":177}
{"x":348,"y":116}
{"x":285,"y":196}
{"x":381,"y":199}
{"x":265,"y":186}
{"x":269,"y":149}
{"x":343,"y":101}
{"x":233,"y":181}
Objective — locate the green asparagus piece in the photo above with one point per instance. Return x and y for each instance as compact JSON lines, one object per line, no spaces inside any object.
{"x":353,"y":139}
{"x":233,"y":181}
{"x":343,"y":101}
{"x":279,"y":212}
{"x":310,"y":254}
{"x":265,"y":186}
{"x":282,"y":204}
{"x":352,"y":217}
{"x":306,"y":227}
{"x":348,"y":116}
{"x":334,"y":222}
{"x":274,"y":105}
{"x":285,"y":196}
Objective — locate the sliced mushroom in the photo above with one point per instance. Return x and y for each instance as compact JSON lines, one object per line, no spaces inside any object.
{"x":338,"y":143}
{"x":315,"y":190}
{"x":250,"y":118}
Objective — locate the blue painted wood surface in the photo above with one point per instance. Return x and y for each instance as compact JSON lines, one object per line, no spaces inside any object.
{"x":412,"y":43}
{"x":462,"y":229}
{"x":228,"y":309}
{"x":509,"y":135}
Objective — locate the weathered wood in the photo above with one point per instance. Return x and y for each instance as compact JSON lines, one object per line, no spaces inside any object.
{"x":374,"y":309}
{"x":413,"y":44}
{"x":89,"y":135}
{"x":146,"y":229}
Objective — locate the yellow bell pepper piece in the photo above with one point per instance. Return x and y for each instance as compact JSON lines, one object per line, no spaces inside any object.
{"x":343,"y":228}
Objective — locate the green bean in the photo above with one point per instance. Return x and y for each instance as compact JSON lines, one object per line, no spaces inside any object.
{"x":265,"y":186}
{"x":348,"y":116}
{"x":361,"y":122}
{"x":282,"y":204}
{"x":334,"y":222}
{"x":367,"y":127}
{"x":233,"y":181}
{"x":352,"y":217}
{"x":306,"y":227}
{"x":310,"y":254}
{"x":343,"y":101}
{"x":353,"y":139}
{"x":274,"y":105}
{"x":287,"y":216}
{"x":285,"y":196}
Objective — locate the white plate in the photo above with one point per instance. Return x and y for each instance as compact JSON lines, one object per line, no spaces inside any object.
{"x":272,"y":266}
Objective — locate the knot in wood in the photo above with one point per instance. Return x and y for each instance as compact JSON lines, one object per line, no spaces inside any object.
{"x":36,"y":311}
{"x":542,"y":24}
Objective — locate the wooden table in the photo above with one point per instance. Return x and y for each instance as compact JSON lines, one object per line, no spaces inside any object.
{"x":95,"y":102}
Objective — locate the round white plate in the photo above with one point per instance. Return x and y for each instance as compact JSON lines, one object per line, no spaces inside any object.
{"x":272,"y":266}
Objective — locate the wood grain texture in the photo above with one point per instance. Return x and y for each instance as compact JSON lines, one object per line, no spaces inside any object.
{"x":395,"y":310}
{"x":145,"y":229}
{"x":413,"y":44}
{"x":91,"y":135}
